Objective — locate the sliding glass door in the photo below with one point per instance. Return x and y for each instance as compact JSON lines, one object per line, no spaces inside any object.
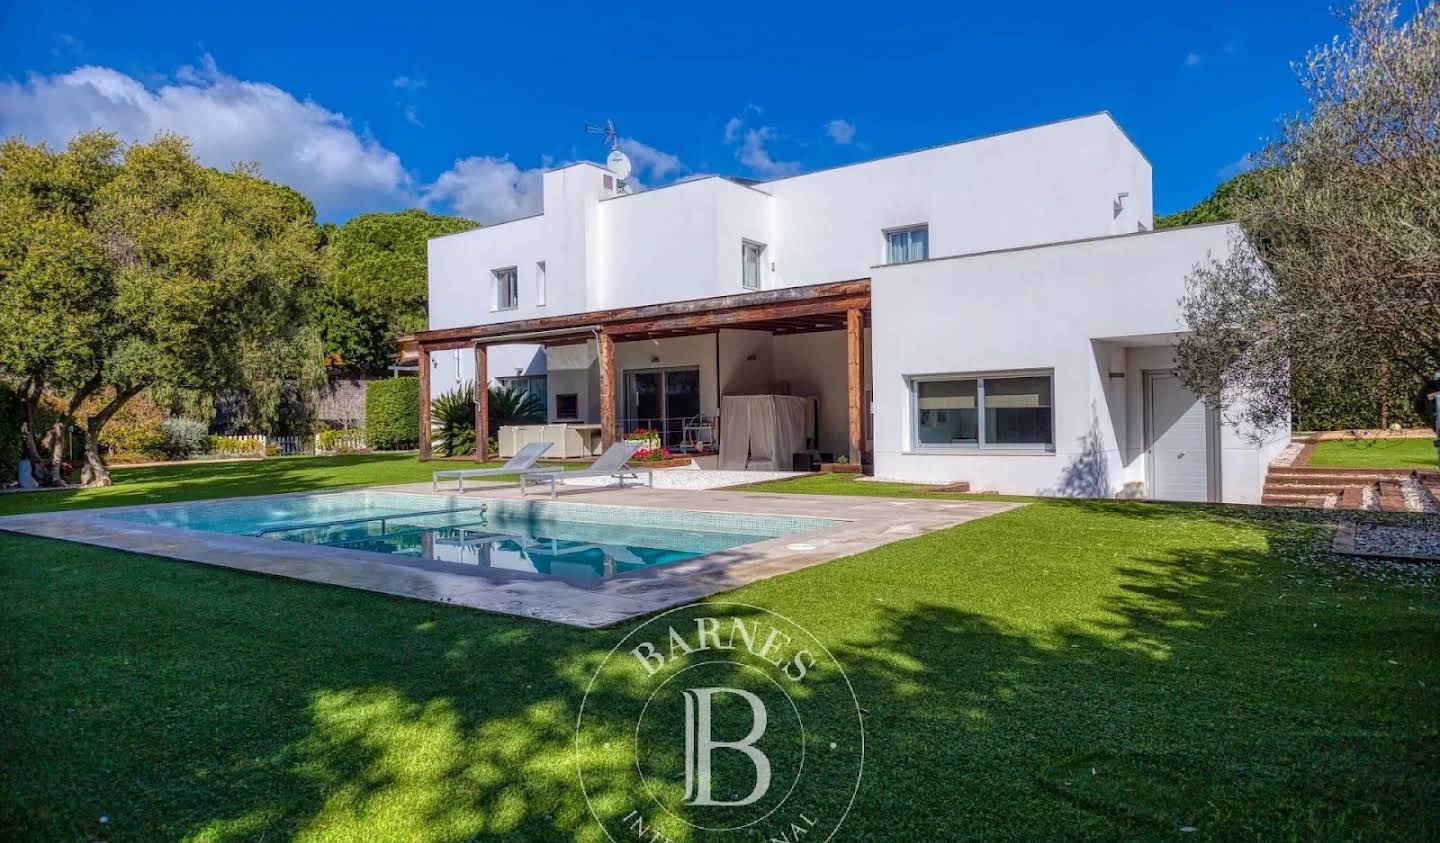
{"x":661,"y":399}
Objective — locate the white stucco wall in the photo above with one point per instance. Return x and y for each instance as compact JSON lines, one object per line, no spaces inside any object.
{"x":1044,"y":184}
{"x":1044,"y":309}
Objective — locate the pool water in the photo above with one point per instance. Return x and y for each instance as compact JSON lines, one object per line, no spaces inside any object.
{"x":578,"y":541}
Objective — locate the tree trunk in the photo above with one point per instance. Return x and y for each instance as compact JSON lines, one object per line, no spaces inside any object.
{"x":40,"y":468}
{"x":95,"y":472}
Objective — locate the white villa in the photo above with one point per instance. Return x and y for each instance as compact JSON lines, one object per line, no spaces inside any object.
{"x":994,"y":311}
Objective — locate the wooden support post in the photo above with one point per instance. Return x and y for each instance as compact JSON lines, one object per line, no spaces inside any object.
{"x":424,"y":404}
{"x":482,"y":403}
{"x":608,"y":422}
{"x":855,"y":376}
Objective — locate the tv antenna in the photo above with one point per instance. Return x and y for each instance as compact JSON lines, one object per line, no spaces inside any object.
{"x":617,"y":161}
{"x":612,"y":138}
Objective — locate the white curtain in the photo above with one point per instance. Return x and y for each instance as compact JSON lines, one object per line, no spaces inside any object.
{"x":762,"y":432}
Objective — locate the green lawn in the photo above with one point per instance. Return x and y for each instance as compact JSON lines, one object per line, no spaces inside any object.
{"x":1375,"y":453}
{"x":165,"y":483}
{"x":1081,"y":670}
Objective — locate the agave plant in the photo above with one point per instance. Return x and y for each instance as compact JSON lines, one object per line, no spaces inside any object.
{"x":509,"y":405}
{"x":452,"y":415}
{"x":452,"y":418}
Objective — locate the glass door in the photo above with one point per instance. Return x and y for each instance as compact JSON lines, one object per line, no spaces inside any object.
{"x":661,"y":400}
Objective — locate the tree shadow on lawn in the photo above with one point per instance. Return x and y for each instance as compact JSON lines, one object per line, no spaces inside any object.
{"x":1209,"y":683}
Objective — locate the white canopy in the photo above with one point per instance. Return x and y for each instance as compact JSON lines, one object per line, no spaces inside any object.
{"x":762,"y":432}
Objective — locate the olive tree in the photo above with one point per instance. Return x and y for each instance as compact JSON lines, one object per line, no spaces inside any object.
{"x":124,"y":268}
{"x":1339,"y":266}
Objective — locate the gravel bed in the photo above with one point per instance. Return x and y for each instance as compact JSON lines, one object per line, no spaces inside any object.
{"x":1407,"y":541}
{"x":1370,"y":497}
{"x":1416,"y":498}
{"x":1286,"y":458}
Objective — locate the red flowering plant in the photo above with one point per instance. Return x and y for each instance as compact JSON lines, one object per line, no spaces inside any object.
{"x":652,"y":455}
{"x":650,"y":437}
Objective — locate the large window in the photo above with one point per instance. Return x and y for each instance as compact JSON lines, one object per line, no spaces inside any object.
{"x":983,"y":411}
{"x":903,"y":245}
{"x":507,"y":289}
{"x":751,"y":257}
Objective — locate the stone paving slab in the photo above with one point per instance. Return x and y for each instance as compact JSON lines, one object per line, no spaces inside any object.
{"x":867,"y":523}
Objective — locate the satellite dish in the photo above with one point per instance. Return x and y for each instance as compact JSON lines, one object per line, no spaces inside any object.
{"x":618,"y":163}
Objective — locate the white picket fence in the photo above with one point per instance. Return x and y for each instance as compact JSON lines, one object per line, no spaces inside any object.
{"x":259,"y":444}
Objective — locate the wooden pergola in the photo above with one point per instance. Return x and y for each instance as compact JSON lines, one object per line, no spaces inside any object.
{"x":842,"y":305}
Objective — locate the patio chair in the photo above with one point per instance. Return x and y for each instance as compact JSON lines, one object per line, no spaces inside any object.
{"x":609,"y":464}
{"x":525,"y":459}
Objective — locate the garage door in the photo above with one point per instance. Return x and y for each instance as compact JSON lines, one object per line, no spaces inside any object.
{"x":1177,"y":441}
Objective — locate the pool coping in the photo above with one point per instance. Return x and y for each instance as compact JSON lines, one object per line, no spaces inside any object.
{"x":866,"y":523}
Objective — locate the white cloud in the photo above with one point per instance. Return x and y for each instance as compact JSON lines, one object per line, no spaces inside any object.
{"x":487,"y":189}
{"x":752,"y":153}
{"x":651,"y":163}
{"x":1243,"y":164}
{"x":840,"y":131}
{"x":296,"y":142}
{"x":732,"y":129}
{"x":1192,"y":59}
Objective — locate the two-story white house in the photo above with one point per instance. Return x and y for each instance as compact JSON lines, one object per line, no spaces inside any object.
{"x":993,"y":311}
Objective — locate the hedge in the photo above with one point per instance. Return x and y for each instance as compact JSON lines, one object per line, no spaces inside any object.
{"x":392,"y":414}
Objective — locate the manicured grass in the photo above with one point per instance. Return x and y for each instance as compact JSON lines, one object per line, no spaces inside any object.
{"x":1375,"y":453}
{"x":1078,"y":670}
{"x":168,"y":483}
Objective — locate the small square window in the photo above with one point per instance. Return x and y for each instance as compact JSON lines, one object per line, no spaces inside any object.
{"x":905,"y":245}
{"x":507,"y":289}
{"x":752,"y":256}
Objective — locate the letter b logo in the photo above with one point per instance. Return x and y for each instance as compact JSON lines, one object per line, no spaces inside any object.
{"x":700,"y":744}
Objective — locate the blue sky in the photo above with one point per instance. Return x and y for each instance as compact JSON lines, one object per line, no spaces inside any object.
{"x":382,"y":106}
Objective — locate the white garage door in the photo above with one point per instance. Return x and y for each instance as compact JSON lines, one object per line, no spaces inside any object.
{"x":1177,"y":439}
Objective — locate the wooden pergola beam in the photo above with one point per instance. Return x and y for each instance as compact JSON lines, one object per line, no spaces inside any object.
{"x":424,"y":404}
{"x":855,"y":381}
{"x":482,"y":402}
{"x":608,"y":422}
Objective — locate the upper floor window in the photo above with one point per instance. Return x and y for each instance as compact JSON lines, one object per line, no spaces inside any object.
{"x":507,"y":289}
{"x":751,"y":255}
{"x":903,"y":245}
{"x":540,"y":283}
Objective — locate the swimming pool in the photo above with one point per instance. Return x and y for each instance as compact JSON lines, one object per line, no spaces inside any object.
{"x":576,"y":541}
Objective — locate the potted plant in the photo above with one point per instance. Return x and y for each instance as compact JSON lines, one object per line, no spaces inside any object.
{"x":842,"y":465}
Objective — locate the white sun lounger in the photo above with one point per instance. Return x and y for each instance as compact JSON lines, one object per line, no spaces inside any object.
{"x":525,"y":459}
{"x":609,"y":464}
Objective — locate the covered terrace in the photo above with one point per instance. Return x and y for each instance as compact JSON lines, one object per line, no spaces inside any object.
{"x":832,"y":307}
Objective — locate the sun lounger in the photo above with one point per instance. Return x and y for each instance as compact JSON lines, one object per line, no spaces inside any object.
{"x":609,"y":464}
{"x":525,"y":459}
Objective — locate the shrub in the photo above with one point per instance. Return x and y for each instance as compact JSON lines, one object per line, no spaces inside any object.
{"x":135,"y":433}
{"x":183,"y":438}
{"x":392,"y":413}
{"x":235,"y":446}
{"x":345,"y":440}
{"x":12,"y":414}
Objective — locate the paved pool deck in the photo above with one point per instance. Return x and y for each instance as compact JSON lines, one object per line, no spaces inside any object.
{"x":867,"y":523}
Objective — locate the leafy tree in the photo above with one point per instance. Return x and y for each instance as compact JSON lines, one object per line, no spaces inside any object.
{"x":375,"y":287}
{"x":1220,"y":205}
{"x":1340,"y":266}
{"x":123,"y":268}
